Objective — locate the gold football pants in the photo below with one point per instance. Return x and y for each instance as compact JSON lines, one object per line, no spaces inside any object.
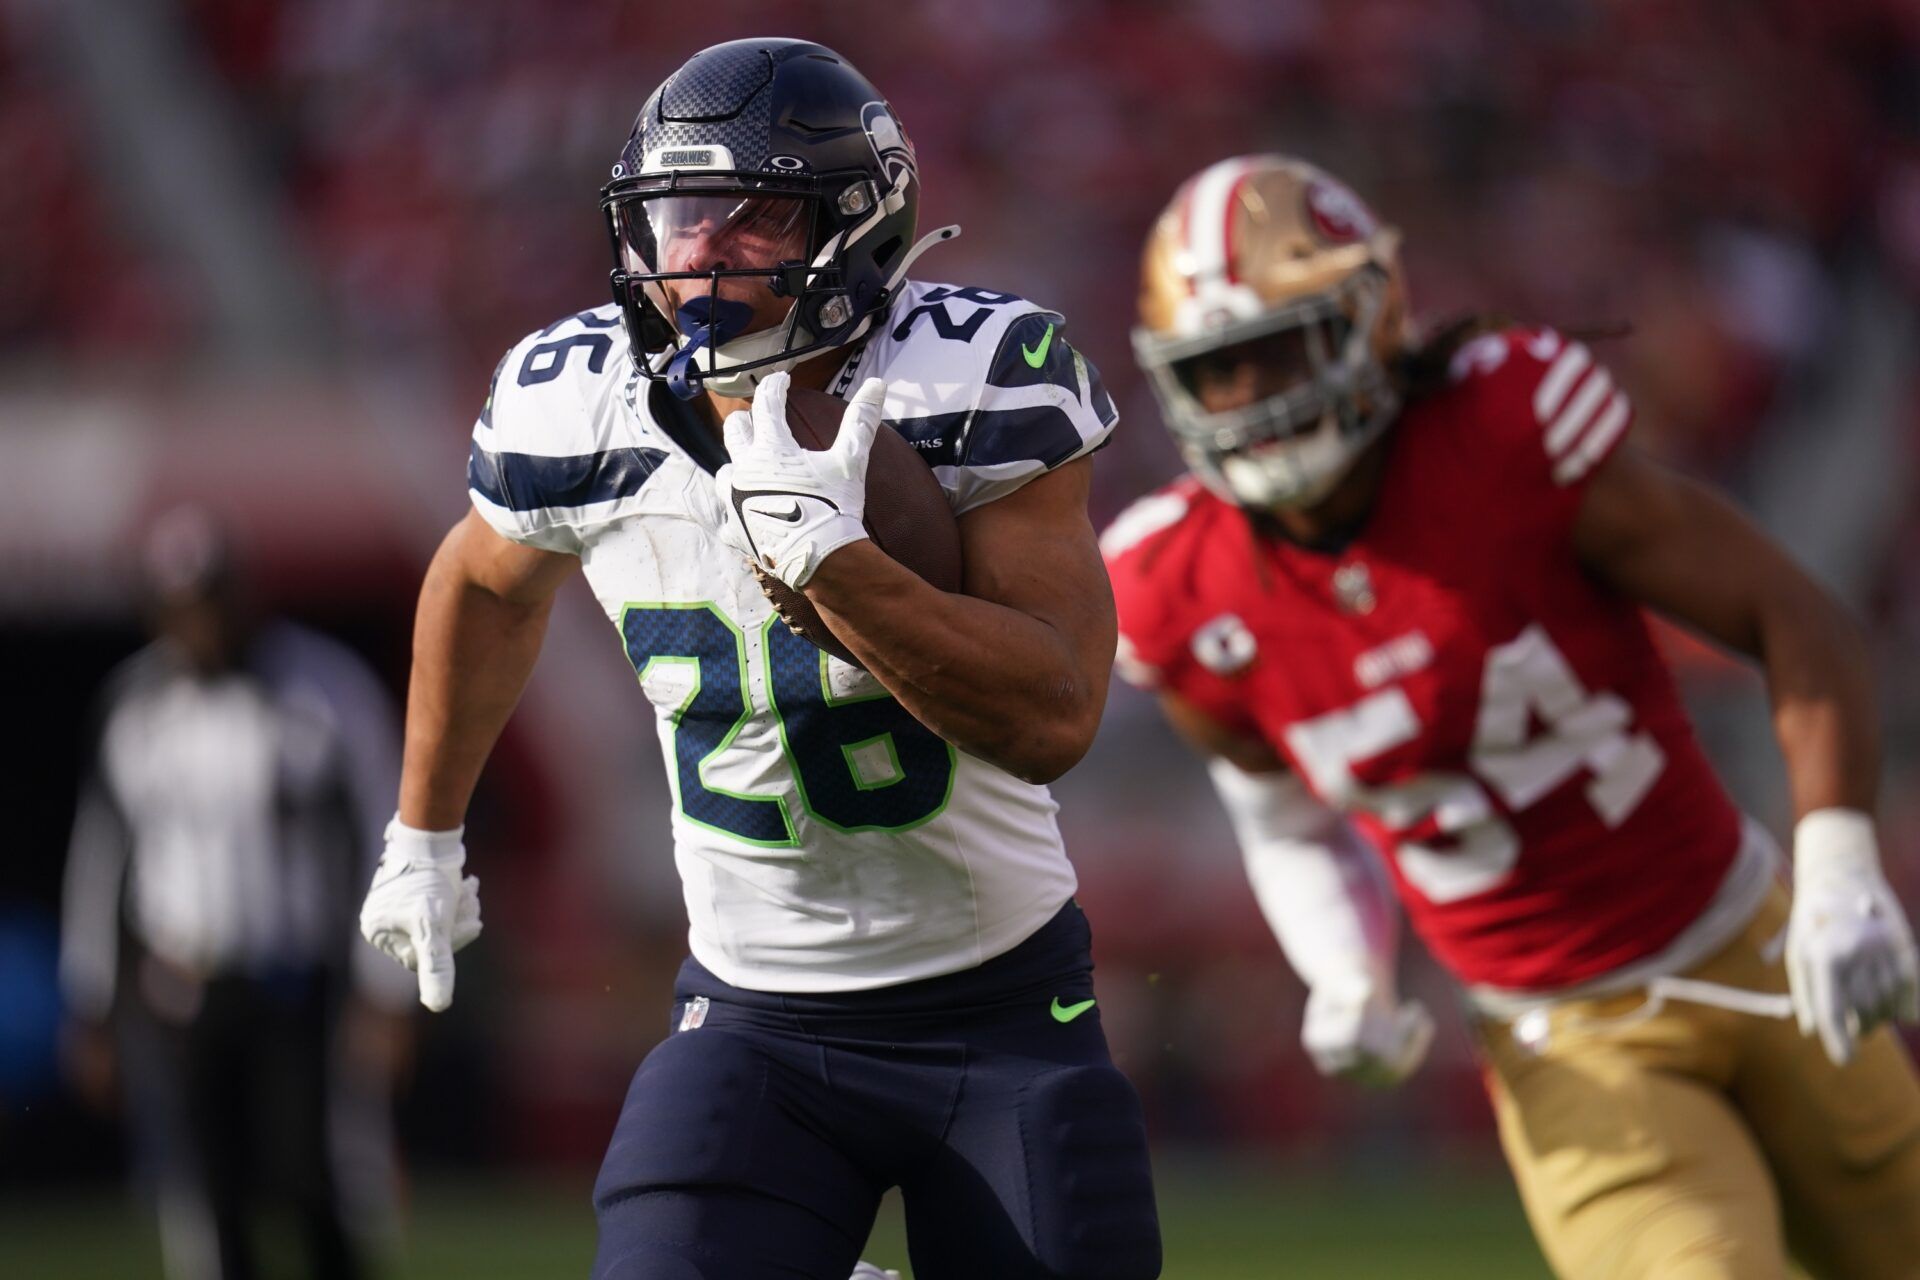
{"x":1703,"y":1144}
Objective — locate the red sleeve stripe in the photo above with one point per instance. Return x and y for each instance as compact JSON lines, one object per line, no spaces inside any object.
{"x":1596,"y":443}
{"x":1579,"y":412}
{"x":1553,"y":388}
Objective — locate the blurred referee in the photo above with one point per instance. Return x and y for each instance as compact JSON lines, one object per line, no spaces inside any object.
{"x":240,"y":776}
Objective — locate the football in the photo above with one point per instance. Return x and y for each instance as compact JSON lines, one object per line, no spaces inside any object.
{"x":907,"y":514}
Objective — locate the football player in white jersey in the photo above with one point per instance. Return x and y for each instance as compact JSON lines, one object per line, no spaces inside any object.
{"x":890,"y":984}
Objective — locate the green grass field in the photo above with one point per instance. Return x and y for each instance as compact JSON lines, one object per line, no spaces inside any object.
{"x":1218,"y":1226}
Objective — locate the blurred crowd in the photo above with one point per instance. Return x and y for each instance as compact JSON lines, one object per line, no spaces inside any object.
{"x":1728,"y":188}
{"x":1704,"y":170}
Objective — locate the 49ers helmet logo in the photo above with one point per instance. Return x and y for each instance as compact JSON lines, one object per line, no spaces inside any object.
{"x":1337,"y":213}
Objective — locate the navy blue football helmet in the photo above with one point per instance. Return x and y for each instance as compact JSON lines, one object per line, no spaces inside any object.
{"x":763,"y":210}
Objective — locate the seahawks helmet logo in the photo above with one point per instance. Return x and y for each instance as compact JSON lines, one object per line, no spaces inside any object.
{"x":889,"y":141}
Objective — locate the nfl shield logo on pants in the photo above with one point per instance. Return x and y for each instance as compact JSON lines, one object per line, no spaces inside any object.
{"x":694,"y":1014}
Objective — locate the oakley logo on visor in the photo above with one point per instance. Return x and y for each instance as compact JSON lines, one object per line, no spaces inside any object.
{"x":688,"y":158}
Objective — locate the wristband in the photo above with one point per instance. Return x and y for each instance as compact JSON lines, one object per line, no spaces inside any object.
{"x":440,"y":848}
{"x":1835,"y":840}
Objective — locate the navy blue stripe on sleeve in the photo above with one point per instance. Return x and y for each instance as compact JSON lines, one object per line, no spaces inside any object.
{"x":936,"y":437}
{"x":1033,"y":352}
{"x":530,"y":481}
{"x":1042,"y":433}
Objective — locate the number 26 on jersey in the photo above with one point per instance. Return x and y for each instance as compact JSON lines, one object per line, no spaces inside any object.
{"x":857,"y":763}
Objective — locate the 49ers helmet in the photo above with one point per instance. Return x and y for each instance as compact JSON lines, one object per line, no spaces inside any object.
{"x":1259,"y":250}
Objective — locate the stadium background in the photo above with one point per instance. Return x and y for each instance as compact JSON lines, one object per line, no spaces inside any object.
{"x":265,"y":253}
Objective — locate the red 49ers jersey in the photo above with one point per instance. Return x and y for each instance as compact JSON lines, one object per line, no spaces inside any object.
{"x":1499,"y":723}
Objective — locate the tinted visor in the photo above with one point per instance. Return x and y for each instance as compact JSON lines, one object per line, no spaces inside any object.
{"x":703,"y":233}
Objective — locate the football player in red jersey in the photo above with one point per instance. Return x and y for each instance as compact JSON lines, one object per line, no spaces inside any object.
{"x":1399,"y":602}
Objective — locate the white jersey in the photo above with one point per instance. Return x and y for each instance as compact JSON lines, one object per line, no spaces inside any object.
{"x":825,"y":839}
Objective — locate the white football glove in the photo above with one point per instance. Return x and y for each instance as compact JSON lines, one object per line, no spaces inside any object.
{"x":1361,"y":1034}
{"x":419,"y":910}
{"x":789,"y":508}
{"x":1851,"y":963}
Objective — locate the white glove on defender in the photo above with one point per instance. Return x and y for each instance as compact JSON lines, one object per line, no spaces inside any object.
{"x":789,"y":508}
{"x":419,"y":910}
{"x":1365,"y":1036}
{"x":1850,"y":956}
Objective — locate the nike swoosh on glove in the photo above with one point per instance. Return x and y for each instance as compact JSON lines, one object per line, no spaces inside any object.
{"x":1365,"y":1035}
{"x":1851,"y":963}
{"x":787,"y":508}
{"x":419,"y":910}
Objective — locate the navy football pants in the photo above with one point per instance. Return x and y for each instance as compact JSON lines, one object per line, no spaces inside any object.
{"x":758,"y":1143}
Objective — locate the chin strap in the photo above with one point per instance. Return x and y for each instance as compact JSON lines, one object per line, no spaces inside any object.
{"x":707,"y":322}
{"x":940,"y":235}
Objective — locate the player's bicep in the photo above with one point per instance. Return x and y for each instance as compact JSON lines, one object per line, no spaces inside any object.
{"x":475,"y":553}
{"x":1034,"y":551}
{"x":1215,"y":740}
{"x":1676,"y":546}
